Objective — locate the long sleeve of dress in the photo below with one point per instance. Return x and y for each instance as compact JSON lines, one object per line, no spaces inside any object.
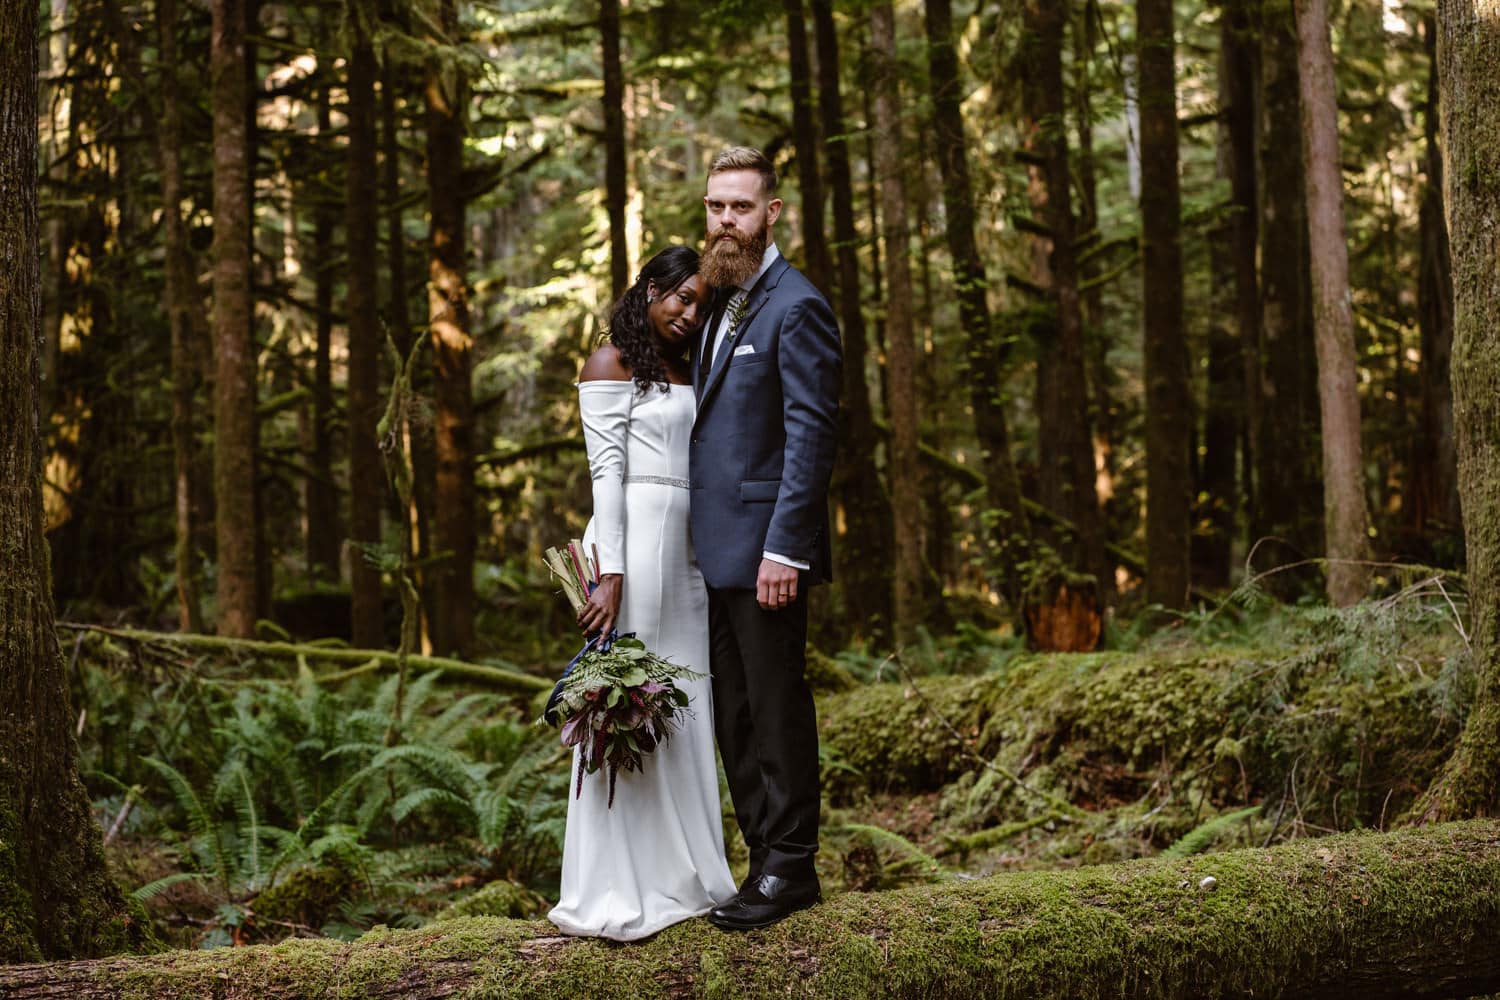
{"x":605,"y":407}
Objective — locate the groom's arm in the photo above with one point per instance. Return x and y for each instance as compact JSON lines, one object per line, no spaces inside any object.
{"x":809,"y":358}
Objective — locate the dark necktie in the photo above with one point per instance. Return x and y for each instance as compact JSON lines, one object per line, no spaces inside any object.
{"x":736,"y":311}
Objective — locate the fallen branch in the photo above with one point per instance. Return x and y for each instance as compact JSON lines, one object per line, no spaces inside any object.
{"x":1367,"y":916}
{"x":366,"y":660}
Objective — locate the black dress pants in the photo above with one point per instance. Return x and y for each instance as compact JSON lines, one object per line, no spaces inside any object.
{"x":767,"y":728}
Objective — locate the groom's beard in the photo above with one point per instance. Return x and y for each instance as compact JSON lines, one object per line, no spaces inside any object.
{"x":727,"y":263}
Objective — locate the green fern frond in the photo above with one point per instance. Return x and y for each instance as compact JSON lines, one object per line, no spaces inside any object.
{"x":421,"y":798}
{"x":1203,"y":836}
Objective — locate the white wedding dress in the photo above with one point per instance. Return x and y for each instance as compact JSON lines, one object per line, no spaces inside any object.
{"x":657,"y":856}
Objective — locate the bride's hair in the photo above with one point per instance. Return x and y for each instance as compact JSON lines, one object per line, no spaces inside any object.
{"x":629,"y":328}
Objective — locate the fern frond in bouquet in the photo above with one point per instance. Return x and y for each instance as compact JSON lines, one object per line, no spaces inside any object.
{"x":617,"y":701}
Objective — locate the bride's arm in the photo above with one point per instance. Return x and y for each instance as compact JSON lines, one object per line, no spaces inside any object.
{"x":605,"y":406}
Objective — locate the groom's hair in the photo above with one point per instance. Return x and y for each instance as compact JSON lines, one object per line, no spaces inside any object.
{"x":746,"y":158}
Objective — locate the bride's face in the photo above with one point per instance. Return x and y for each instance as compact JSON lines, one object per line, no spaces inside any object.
{"x":677,"y":314}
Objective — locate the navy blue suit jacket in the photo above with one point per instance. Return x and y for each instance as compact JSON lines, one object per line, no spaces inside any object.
{"x":763,"y":442}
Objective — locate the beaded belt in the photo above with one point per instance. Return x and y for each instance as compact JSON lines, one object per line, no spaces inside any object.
{"x":681,"y":484}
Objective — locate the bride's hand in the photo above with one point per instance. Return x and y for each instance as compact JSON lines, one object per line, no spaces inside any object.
{"x":598,"y":614}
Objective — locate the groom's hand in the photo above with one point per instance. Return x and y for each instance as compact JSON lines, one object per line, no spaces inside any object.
{"x":603,"y":606}
{"x":775,"y":585}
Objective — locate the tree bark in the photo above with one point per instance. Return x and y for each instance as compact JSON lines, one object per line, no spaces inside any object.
{"x":615,"y":179}
{"x":1066,"y":482}
{"x":901,"y":356}
{"x":1346,"y":519}
{"x":403,"y":334}
{"x":1010,"y":534}
{"x":1433,"y":494}
{"x":184,"y":318}
{"x":1289,"y":489}
{"x":320,"y":492}
{"x":366,"y":470}
{"x":1169,"y":417}
{"x":56,"y":896}
{"x":865,"y":546}
{"x":805,"y":138}
{"x":1469,"y":85}
{"x":234,"y":333}
{"x":1365,"y":916}
{"x":448,"y":317}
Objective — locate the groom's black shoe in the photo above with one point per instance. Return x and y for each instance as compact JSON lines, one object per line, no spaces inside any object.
{"x":764,"y":901}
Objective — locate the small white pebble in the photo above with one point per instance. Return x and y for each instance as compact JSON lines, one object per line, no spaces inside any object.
{"x":1208,"y":884}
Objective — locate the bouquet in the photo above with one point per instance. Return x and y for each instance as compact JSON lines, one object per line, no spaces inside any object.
{"x":617,"y":701}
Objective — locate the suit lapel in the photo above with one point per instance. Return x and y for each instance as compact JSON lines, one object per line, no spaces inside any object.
{"x":759,"y":295}
{"x":716,"y":312}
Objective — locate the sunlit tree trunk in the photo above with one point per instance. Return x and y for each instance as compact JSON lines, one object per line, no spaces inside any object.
{"x":1011,"y":533}
{"x":1066,"y":480}
{"x":1469,"y":84}
{"x":56,"y":897}
{"x":1168,"y":409}
{"x":865,"y":545}
{"x":183,"y":318}
{"x":805,"y":136}
{"x":448,"y":319}
{"x":615,"y":178}
{"x":366,"y":470}
{"x":1434,"y":488}
{"x":1288,"y":487}
{"x":55,"y":112}
{"x":901,"y":358}
{"x":1346,"y":521}
{"x":234,"y":337}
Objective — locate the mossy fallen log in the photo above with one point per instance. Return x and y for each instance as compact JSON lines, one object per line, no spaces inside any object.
{"x":1102,"y":727}
{"x":1367,"y":915}
{"x":358,"y":660}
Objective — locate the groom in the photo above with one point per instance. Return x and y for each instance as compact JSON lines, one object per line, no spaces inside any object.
{"x":767,"y":377}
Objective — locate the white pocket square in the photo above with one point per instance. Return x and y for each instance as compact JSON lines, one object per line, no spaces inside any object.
{"x":744,"y":349}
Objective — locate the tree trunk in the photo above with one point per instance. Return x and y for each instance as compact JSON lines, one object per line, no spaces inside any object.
{"x":184,"y":319}
{"x":901,"y":359}
{"x":448,"y":317}
{"x":865,"y":545}
{"x":1066,"y":483}
{"x":1346,"y":521}
{"x":1434,"y":489}
{"x":805,"y":137}
{"x":1103,"y":411}
{"x":56,"y":896}
{"x":1010,"y":534}
{"x":1469,"y":84}
{"x":1289,"y":489}
{"x":403,"y":334}
{"x":615,"y":194}
{"x":366,"y":470}
{"x":1366,"y":916}
{"x":234,"y":332}
{"x":1169,"y":417}
{"x":320,"y":492}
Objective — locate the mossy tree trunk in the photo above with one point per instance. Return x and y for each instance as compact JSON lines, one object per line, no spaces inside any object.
{"x":1469,"y":81}
{"x":1366,"y":916}
{"x":56,"y":896}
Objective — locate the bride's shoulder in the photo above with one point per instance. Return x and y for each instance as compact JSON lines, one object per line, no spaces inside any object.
{"x":605,"y":365}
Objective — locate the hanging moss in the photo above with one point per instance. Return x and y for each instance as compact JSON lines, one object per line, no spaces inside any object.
{"x":1376,"y":914}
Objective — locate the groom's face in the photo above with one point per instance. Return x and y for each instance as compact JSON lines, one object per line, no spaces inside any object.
{"x":740,"y":215}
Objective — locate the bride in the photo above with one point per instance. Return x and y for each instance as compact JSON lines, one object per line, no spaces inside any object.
{"x":657,"y":856}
